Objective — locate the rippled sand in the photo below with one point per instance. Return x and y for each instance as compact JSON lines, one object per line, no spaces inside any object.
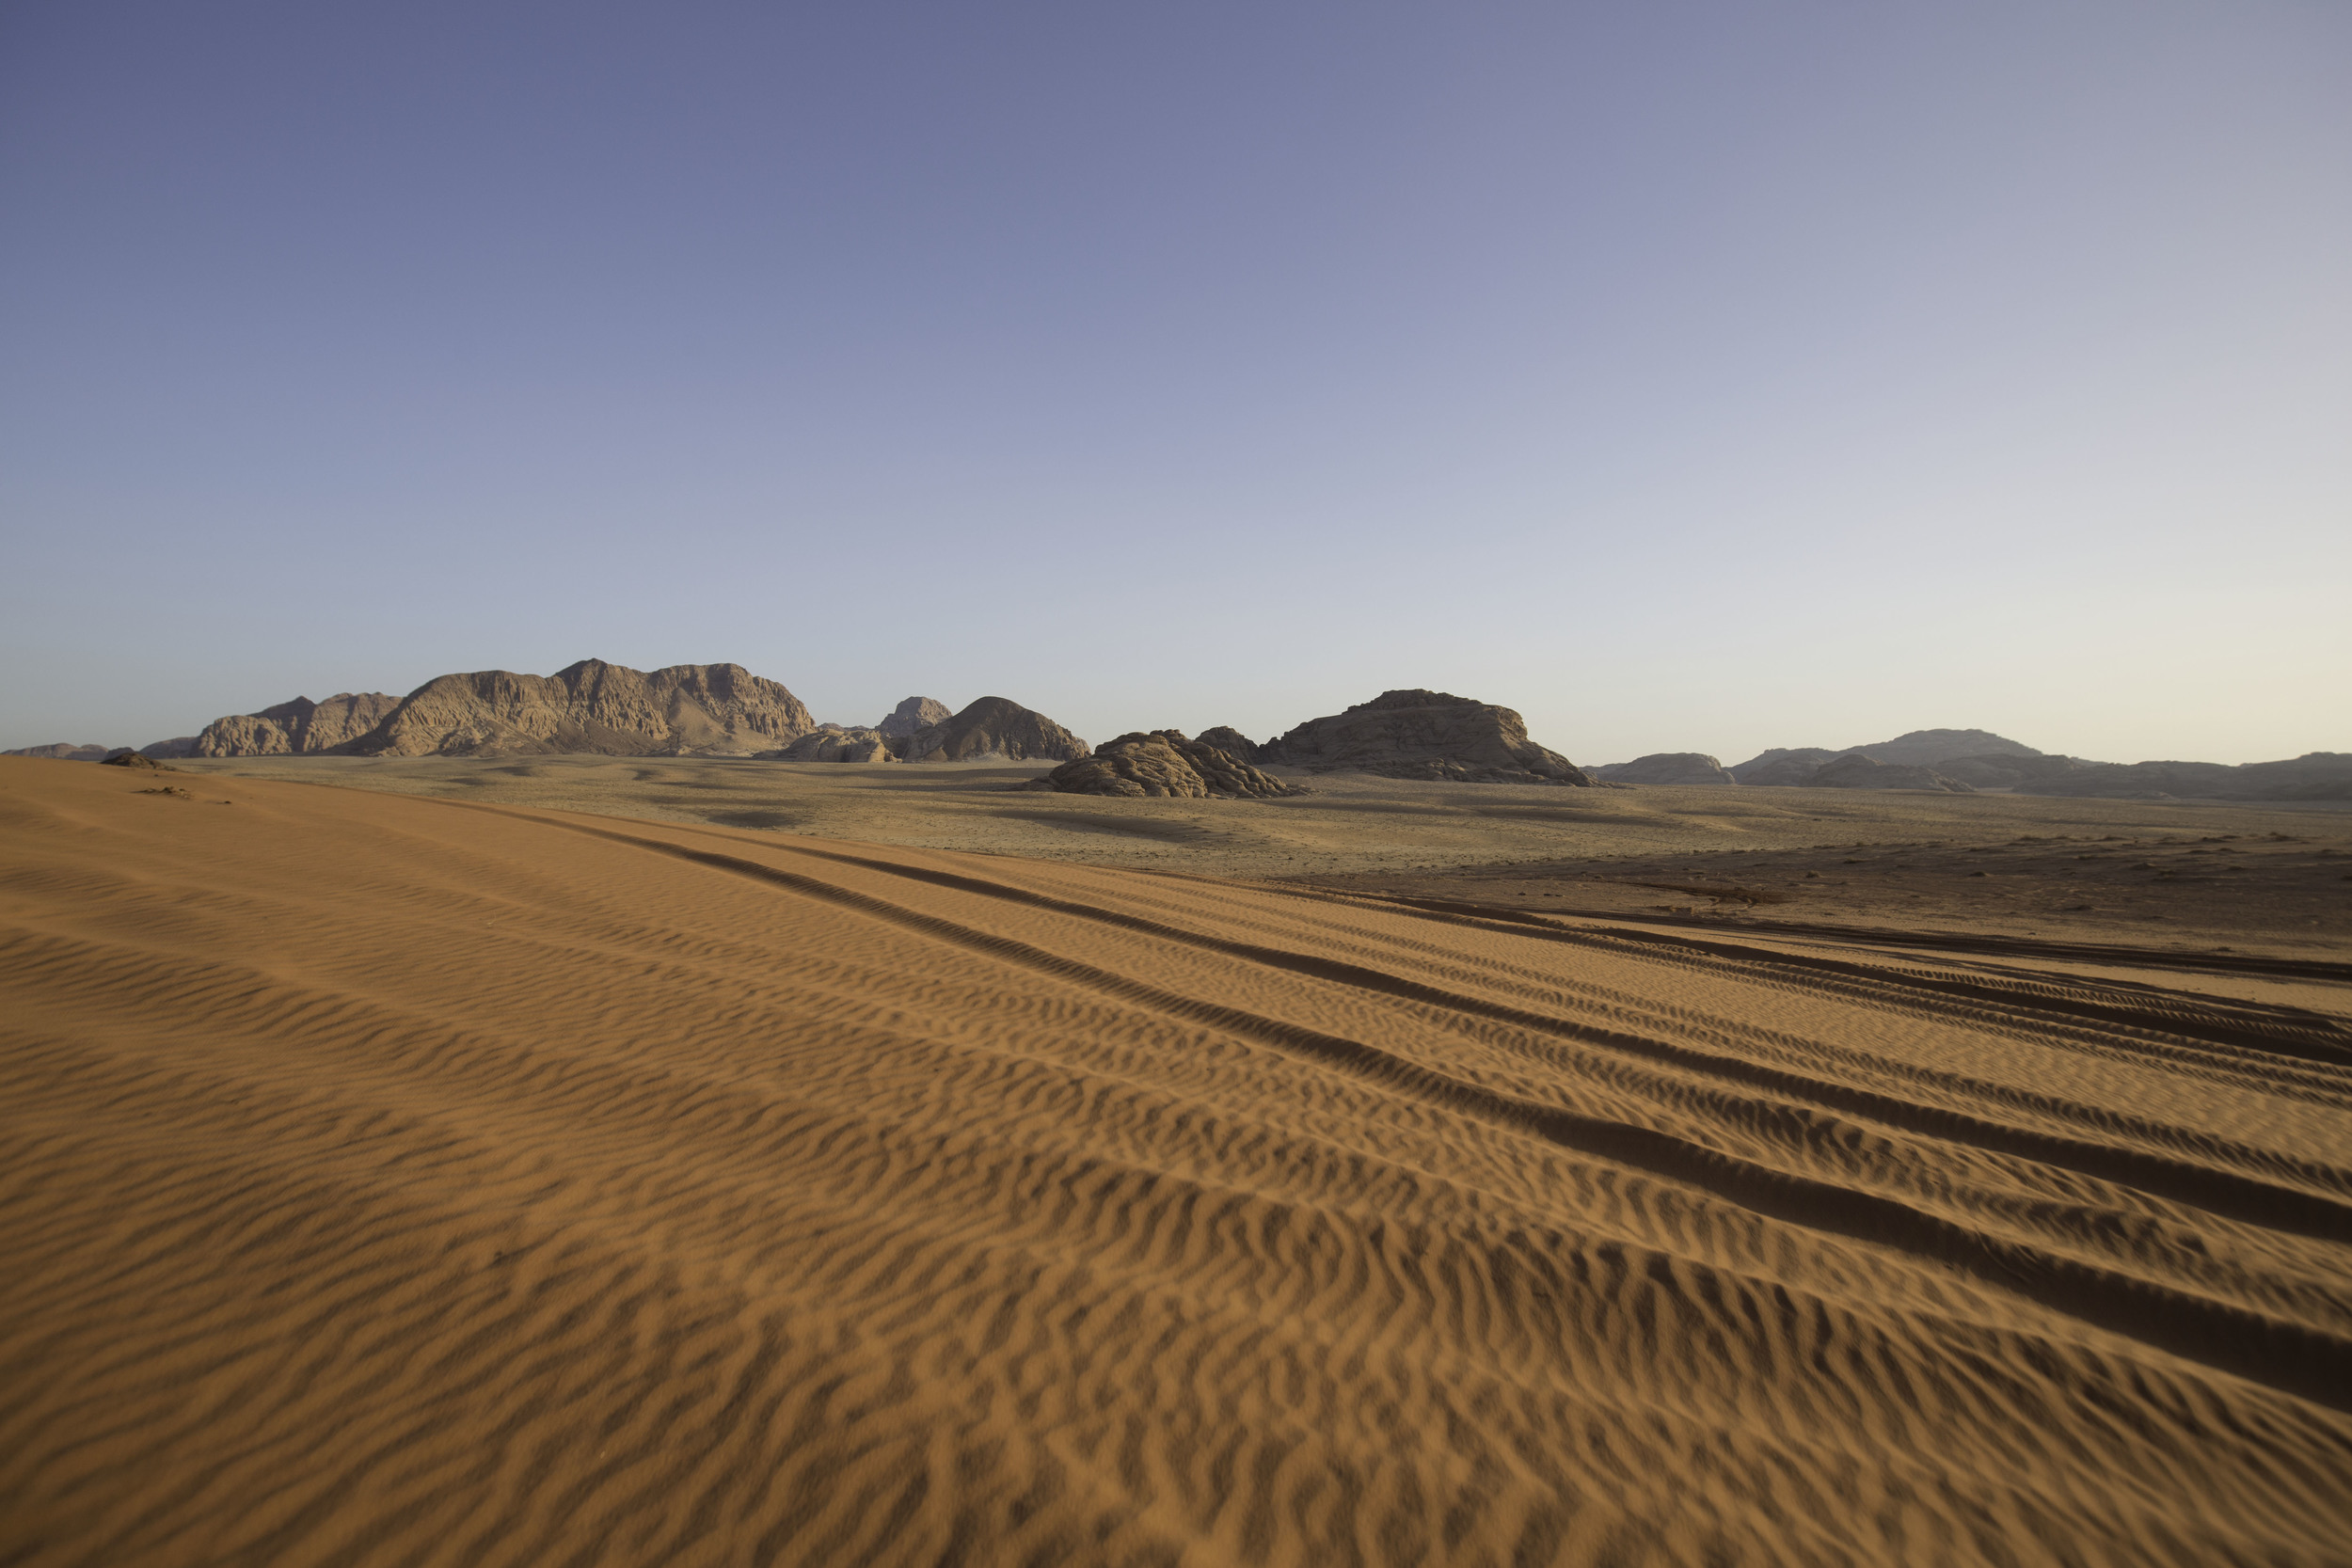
{"x":389,"y":1180}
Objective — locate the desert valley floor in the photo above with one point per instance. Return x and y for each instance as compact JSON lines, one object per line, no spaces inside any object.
{"x":587,"y":1161}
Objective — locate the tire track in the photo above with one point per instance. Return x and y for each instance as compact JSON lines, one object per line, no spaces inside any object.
{"x":2227,"y":1192}
{"x":2285,"y":1355}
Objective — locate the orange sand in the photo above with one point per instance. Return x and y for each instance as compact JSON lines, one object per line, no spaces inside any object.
{"x":389,"y":1181}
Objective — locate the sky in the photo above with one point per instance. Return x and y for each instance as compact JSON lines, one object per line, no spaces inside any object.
{"x":1700,"y":377}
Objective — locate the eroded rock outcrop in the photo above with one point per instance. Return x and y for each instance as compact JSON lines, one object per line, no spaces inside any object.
{"x":1668,"y":768}
{"x":992,"y":729}
{"x":137,"y":761}
{"x":836,"y":743}
{"x":592,"y":706}
{"x":1424,"y":735}
{"x":914,"y":716}
{"x":1165,"y":762}
{"x":295,"y":728}
{"x":1230,"y":741}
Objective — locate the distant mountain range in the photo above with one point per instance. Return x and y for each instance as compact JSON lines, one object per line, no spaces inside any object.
{"x":605,"y":709}
{"x":726,"y":710}
{"x":1961,"y":761}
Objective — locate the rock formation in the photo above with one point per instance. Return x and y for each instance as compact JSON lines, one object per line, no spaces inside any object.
{"x":1667,"y":768}
{"x":1230,"y":741}
{"x":681,"y":710}
{"x":139,"y":761}
{"x":1861,"y":772}
{"x":992,"y":729}
{"x":1424,"y":735}
{"x":2009,"y":769}
{"x":179,"y":745}
{"x":1781,"y":765}
{"x":295,"y":728}
{"x":2003,"y":764}
{"x":1165,"y":763}
{"x":915,"y":714}
{"x":2313,"y":776}
{"x":1928,"y":748}
{"x":836,"y":743}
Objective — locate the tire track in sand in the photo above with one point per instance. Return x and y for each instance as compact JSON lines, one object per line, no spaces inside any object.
{"x":2285,"y":1355}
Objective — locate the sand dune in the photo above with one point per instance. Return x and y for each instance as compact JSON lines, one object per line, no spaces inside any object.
{"x":394,"y":1180}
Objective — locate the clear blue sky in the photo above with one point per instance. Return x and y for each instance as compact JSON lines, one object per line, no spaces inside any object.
{"x":1688,"y":376}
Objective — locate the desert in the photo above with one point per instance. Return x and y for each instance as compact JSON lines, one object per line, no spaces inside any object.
{"x":833,"y":786}
{"x":715,"y":1160}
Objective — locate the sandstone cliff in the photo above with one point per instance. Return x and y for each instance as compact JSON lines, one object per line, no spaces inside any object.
{"x":912,"y":715}
{"x":683,"y":710}
{"x":292,"y":729}
{"x":836,"y":743}
{"x":993,"y":728}
{"x":1165,"y":763}
{"x":1424,"y":735}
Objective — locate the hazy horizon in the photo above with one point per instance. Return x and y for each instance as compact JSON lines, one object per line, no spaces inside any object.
{"x":1687,"y":377}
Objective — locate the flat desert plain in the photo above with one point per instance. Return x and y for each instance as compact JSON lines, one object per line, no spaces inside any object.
{"x":554,"y":1163}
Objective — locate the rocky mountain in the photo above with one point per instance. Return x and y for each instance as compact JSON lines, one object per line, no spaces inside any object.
{"x":1991,"y":757}
{"x":2313,"y":776}
{"x":1667,"y":768}
{"x":1917,"y":749}
{"x":2000,"y":763}
{"x":1424,"y":735}
{"x":2009,"y":770}
{"x":992,"y":729}
{"x":1230,"y":741}
{"x":1858,"y":771}
{"x":913,"y":715}
{"x":295,"y":728}
{"x":1926,"y":748}
{"x":178,"y":746}
{"x":1165,"y":763}
{"x":1781,"y":764}
{"x":680,"y":710}
{"x":836,"y":743}
{"x":1811,"y":768}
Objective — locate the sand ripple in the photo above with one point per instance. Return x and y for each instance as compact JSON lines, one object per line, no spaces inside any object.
{"x":386,"y":1180}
